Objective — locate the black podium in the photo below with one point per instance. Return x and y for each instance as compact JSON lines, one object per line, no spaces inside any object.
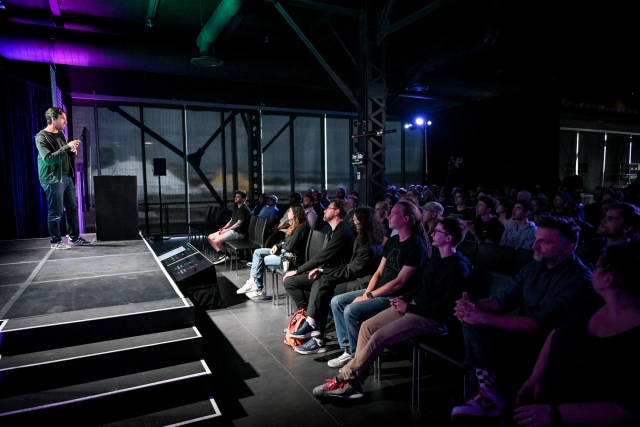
{"x":116,"y":207}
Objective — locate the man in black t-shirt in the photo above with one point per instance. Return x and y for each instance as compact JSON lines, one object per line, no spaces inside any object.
{"x":485,"y":228}
{"x":236,"y":229}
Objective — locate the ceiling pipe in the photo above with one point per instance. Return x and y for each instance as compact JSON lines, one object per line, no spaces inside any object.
{"x":224,"y":13}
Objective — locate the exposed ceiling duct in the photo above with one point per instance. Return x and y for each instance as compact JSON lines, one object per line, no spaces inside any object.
{"x":224,"y":13}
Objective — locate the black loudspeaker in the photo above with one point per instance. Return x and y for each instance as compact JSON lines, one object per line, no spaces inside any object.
{"x":159,"y":167}
{"x":583,"y":167}
{"x":116,"y":207}
{"x":194,"y":274}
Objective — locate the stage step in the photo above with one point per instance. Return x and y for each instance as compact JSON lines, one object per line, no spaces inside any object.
{"x":203,"y":413}
{"x":23,"y":373}
{"x":170,"y":395}
{"x":39,"y":333}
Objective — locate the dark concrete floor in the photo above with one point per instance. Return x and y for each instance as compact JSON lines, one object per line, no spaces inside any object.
{"x":263,"y":382}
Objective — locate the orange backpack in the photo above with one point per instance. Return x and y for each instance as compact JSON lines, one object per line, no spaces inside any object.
{"x":296,"y":321}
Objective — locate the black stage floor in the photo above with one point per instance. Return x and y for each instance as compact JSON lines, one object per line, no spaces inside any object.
{"x":257,"y":380}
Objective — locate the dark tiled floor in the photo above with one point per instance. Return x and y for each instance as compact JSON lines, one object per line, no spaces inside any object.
{"x":262,"y":382}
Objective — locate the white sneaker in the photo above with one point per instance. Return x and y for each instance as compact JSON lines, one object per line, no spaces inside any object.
{"x":483,"y":403}
{"x":339,"y":362}
{"x":258,"y":294}
{"x":249,"y":286}
{"x":60,"y":245}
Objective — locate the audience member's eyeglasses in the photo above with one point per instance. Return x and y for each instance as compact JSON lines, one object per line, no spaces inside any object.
{"x":435,"y":230}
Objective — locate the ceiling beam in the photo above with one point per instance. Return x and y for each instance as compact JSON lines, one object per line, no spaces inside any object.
{"x":308,"y":4}
{"x":345,"y":89}
{"x":56,"y":15}
{"x":415,"y":16}
{"x":152,"y":13}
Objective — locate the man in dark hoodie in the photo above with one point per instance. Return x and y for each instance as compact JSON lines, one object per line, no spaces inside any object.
{"x":424,"y":309}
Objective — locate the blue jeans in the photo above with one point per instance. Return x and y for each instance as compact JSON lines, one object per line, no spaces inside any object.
{"x":348,"y":316}
{"x":62,"y":195}
{"x":261,"y":258}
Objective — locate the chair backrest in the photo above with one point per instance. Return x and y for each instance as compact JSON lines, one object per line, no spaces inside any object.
{"x":212,"y":213}
{"x":468,"y":248}
{"x":316,"y":243}
{"x":258,"y":235}
{"x":224,"y":217}
{"x":251,"y":233}
{"x":498,"y":259}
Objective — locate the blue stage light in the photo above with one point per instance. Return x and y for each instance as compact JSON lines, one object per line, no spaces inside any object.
{"x":419,"y":121}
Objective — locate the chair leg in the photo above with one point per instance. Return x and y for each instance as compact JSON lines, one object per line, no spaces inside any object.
{"x":415,"y":380}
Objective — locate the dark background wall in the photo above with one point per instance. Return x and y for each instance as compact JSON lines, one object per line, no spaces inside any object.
{"x":509,"y":140}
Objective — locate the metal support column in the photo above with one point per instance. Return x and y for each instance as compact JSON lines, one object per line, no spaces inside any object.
{"x":372,"y":90}
{"x":255,"y":157}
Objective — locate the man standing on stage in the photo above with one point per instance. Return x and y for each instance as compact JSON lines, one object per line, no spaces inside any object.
{"x":56,"y":173}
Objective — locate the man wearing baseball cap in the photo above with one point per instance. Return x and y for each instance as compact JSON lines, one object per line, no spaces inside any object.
{"x":431,"y":214}
{"x":270,"y":211}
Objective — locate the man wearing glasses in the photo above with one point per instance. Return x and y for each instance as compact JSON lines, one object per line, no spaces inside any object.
{"x":506,"y":331}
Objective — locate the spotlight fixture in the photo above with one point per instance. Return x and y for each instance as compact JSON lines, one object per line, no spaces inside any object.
{"x":429,"y":123}
{"x":408,"y":125}
{"x":419,"y":121}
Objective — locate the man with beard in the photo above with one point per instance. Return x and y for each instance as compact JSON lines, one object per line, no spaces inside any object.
{"x":522,"y":234}
{"x":542,"y":293}
{"x":619,"y":227}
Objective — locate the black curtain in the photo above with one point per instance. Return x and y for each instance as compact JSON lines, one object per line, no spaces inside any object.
{"x":21,"y":118}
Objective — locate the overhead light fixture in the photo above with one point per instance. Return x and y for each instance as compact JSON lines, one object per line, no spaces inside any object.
{"x":419,"y":121}
{"x":417,"y":88}
{"x":408,"y":126}
{"x":429,"y":123}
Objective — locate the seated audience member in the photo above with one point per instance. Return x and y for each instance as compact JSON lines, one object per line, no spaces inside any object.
{"x":559,"y":202}
{"x":415,"y":194}
{"x":485,"y":228}
{"x":431,"y":215}
{"x":235,"y":229}
{"x":542,"y":292}
{"x":293,"y":244}
{"x":399,"y":271}
{"x":401,"y":192}
{"x":444,"y":198}
{"x":427,"y":197}
{"x":584,"y":364}
{"x":312,"y":216}
{"x":277,"y":234}
{"x":612,"y":194}
{"x":521,"y":235}
{"x":392,"y":190}
{"x":318,"y":208}
{"x":355,"y":193}
{"x":572,"y":183}
{"x":325,"y":198}
{"x":391,"y":199}
{"x":524,"y":195}
{"x":338,"y":244}
{"x":270,"y":210}
{"x":262,"y":202}
{"x":341,"y":193}
{"x":540,"y":207}
{"x":587,"y":231}
{"x":504,"y":210}
{"x":460,"y":210}
{"x":352,"y":204}
{"x":423,"y":310}
{"x":593,"y":211}
{"x":382,"y":209}
{"x":323,"y":283}
{"x":619,"y":227}
{"x":606,"y":204}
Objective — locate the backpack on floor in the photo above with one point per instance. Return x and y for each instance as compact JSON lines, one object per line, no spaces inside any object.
{"x":296,"y":321}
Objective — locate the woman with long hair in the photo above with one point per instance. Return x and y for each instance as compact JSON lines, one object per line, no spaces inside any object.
{"x":293,"y":244}
{"x":262,"y":202}
{"x":582,"y":368}
{"x":400,"y":269}
{"x":324,"y":283}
